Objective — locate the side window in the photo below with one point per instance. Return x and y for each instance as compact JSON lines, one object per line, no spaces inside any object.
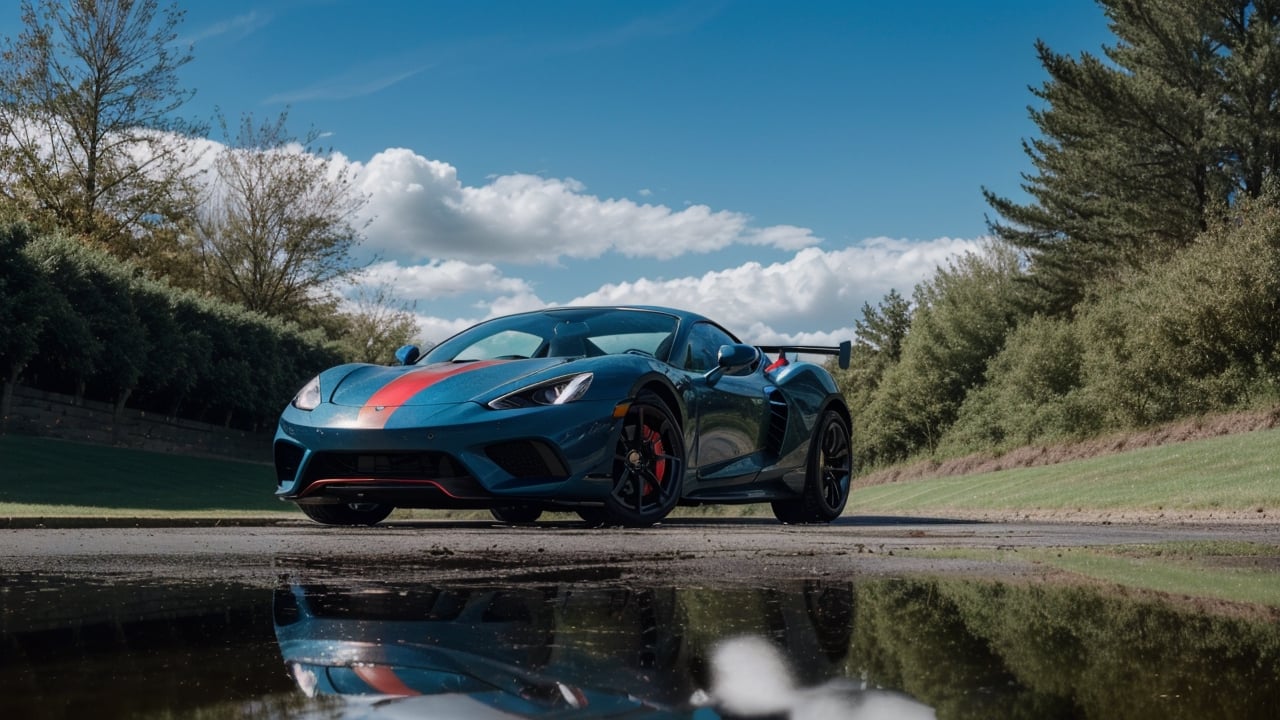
{"x":704,"y":347}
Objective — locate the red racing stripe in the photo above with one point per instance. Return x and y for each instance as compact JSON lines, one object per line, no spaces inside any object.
{"x":384,"y":680}
{"x":379,"y":408}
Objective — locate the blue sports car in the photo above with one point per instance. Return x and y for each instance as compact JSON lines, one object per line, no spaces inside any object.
{"x":616,"y":413}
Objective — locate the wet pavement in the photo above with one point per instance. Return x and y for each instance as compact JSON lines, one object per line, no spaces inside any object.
{"x":140,"y":624}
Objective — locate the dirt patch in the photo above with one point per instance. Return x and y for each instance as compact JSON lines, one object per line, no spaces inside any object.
{"x":1038,"y":455}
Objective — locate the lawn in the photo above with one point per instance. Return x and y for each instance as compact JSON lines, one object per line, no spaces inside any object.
{"x":1234,"y":473}
{"x":54,"y":478}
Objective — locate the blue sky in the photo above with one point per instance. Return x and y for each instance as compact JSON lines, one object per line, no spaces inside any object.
{"x":774,"y":164}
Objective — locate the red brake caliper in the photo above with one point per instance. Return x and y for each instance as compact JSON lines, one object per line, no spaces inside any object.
{"x":650,"y":436}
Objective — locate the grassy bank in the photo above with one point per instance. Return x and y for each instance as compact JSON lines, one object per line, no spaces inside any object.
{"x":1230,"y":475}
{"x":55,"y":478}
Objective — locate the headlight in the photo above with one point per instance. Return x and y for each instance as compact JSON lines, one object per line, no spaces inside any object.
{"x":557,"y":392}
{"x":308,"y":398}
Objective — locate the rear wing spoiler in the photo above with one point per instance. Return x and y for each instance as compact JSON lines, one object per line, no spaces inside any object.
{"x":841,"y":351}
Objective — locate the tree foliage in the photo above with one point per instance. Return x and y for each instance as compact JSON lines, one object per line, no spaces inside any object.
{"x":110,"y":333}
{"x":877,"y":347}
{"x":278,"y":223}
{"x":1141,"y":148}
{"x":25,"y":302}
{"x":377,"y":326}
{"x":89,"y":139}
{"x":961,"y":318}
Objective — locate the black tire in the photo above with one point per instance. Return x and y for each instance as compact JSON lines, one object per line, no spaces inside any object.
{"x":348,"y":513}
{"x":827,"y":475}
{"x":516,"y":514}
{"x":593,"y":516}
{"x":648,"y":465}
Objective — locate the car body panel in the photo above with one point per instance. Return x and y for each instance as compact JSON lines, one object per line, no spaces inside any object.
{"x":461,"y":428}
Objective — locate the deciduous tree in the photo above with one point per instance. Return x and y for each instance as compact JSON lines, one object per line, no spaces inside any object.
{"x":89,"y":137}
{"x":278,"y":223}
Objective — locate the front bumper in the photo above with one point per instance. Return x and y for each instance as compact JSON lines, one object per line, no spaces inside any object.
{"x":442,"y":456}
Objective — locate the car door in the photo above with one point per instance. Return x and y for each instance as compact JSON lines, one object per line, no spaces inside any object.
{"x":730,"y":412}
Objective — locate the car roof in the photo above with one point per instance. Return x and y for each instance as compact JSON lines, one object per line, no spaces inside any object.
{"x":682,"y":314}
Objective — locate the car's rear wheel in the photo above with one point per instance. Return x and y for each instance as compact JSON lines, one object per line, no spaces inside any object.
{"x":648,"y":465}
{"x":348,"y":513}
{"x":516,"y":514}
{"x":826,"y":485}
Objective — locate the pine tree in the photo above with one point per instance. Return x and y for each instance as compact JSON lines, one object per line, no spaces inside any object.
{"x":1138,"y":149}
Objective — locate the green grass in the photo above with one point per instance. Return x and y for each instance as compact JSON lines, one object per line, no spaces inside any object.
{"x":53,"y":478}
{"x":47,"y":478}
{"x":1223,"y":573}
{"x":1237,"y":572}
{"x":1230,"y":473}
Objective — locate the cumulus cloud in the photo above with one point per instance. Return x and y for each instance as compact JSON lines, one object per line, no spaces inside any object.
{"x":440,"y":278}
{"x":812,"y":298}
{"x":420,"y":209}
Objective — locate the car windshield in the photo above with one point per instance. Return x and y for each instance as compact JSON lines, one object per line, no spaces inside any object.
{"x":566,"y":332}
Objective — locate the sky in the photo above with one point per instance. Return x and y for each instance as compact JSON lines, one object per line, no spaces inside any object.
{"x":773,"y":165}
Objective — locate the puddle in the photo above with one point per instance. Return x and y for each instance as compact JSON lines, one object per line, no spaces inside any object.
{"x":599,"y":646}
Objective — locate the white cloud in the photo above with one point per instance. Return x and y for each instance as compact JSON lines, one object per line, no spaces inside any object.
{"x":238,"y":27}
{"x":354,"y":84}
{"x":812,"y":298}
{"x":440,"y":278}
{"x":420,"y":209}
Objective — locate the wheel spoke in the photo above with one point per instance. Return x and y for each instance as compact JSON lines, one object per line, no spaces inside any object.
{"x":648,"y":465}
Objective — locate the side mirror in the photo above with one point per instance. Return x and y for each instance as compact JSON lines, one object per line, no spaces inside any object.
{"x":408,"y":354}
{"x":736,"y":357}
{"x":730,"y":359}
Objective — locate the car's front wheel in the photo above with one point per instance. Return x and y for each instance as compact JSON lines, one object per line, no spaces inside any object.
{"x":648,"y":465}
{"x":348,"y":513}
{"x":827,"y":476}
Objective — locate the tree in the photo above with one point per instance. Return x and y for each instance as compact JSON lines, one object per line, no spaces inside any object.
{"x":26,"y":303}
{"x":877,"y":347}
{"x":962,"y":315}
{"x":1139,"y":150}
{"x":278,"y":223}
{"x":883,"y":328}
{"x":88,"y":137}
{"x":377,"y":326}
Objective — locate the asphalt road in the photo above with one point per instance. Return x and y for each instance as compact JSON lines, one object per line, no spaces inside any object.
{"x":680,"y":550}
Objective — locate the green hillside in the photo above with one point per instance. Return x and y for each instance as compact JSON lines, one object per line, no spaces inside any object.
{"x":1230,"y":475}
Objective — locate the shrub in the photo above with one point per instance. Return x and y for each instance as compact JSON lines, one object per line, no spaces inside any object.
{"x":962,"y":316}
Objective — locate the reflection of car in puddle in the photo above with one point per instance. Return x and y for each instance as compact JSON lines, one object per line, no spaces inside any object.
{"x":503,"y":651}
{"x":573,"y":649}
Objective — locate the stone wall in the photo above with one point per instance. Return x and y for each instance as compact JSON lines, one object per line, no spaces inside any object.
{"x":27,"y":411}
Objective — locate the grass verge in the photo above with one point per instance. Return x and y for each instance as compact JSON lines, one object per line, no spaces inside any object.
{"x":40,"y":477}
{"x":1237,"y":572}
{"x":1230,"y":474}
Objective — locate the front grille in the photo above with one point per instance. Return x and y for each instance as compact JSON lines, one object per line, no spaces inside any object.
{"x":417,"y":604}
{"x":385,"y":466}
{"x":527,"y":459}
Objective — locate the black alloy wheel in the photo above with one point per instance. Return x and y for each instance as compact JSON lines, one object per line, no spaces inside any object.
{"x":648,"y":465}
{"x":827,"y":477}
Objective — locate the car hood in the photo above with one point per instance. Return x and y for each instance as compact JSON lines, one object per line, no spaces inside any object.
{"x":436,"y":384}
